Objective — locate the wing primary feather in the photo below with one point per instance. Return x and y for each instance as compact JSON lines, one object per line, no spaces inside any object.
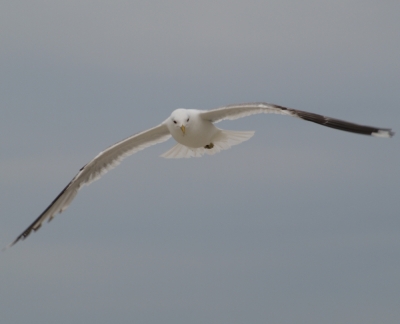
{"x":37,"y":223}
{"x":342,"y":125}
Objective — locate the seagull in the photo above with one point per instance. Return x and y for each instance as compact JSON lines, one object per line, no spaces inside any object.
{"x":195,"y":134}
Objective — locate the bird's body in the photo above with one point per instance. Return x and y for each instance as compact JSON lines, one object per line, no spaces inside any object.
{"x":195,"y":134}
{"x":198,"y":131}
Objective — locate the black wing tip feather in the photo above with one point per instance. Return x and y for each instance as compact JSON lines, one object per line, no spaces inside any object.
{"x":21,"y":237}
{"x":389,"y":131}
{"x":343,"y":125}
{"x":33,"y":226}
{"x":339,"y":124}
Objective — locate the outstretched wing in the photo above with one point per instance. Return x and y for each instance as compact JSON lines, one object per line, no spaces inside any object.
{"x":92,"y":171}
{"x":242,"y":110}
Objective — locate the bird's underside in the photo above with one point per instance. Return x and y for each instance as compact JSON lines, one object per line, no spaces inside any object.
{"x":186,"y":122}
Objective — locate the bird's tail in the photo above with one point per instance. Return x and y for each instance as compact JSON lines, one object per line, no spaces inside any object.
{"x":223,"y":140}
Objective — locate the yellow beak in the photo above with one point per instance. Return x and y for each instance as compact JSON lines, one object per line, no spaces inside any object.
{"x":183,"y":129}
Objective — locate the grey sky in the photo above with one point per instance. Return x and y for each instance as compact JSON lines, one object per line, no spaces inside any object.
{"x":298,"y":225}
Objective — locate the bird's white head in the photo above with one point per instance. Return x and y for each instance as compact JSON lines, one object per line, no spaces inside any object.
{"x":179,"y":119}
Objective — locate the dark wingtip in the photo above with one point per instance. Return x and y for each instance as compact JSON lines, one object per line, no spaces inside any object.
{"x":23,"y":236}
{"x":11,"y":244}
{"x":385,"y":133}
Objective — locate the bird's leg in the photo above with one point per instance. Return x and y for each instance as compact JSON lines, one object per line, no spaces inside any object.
{"x":209,"y":146}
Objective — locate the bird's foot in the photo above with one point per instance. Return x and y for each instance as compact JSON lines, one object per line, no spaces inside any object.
{"x":209,"y":146}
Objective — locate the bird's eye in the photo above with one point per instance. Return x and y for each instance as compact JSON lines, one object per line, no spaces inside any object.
{"x":174,"y":121}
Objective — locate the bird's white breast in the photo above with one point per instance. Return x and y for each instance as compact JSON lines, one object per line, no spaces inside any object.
{"x":198,"y":132}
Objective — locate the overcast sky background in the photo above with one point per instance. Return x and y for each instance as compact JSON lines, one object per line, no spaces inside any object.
{"x":301,"y":224}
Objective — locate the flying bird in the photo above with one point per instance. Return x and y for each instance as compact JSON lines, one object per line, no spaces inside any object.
{"x":195,"y":134}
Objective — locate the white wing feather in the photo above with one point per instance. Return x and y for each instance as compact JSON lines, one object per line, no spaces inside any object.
{"x":242,"y":110}
{"x":92,"y":171}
